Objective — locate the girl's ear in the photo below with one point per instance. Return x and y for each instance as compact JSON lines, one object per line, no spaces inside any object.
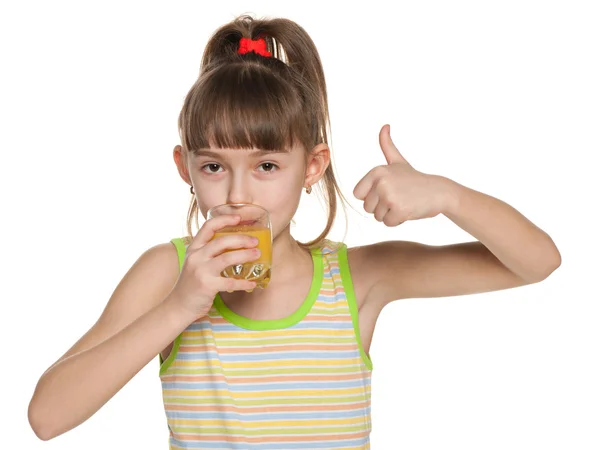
{"x":181,"y":163}
{"x":316,"y":164}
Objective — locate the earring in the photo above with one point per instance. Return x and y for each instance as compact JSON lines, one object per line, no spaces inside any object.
{"x":309,"y":189}
{"x":192,"y":190}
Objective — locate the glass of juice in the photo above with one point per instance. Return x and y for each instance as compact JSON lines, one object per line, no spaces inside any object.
{"x":255,"y":221}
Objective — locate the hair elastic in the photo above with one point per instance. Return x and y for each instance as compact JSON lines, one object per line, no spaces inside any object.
{"x":258,"y":46}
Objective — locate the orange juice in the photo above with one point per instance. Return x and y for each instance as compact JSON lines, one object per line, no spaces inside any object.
{"x":258,"y":270}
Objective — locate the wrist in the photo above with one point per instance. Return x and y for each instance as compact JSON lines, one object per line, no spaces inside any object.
{"x":450,"y":193}
{"x":177,"y":313}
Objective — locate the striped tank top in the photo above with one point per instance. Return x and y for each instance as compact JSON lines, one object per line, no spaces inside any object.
{"x":301,"y":382}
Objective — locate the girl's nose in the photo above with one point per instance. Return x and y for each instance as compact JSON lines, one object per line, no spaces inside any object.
{"x":239,"y":192}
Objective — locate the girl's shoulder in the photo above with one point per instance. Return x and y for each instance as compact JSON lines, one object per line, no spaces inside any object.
{"x":353,"y":263}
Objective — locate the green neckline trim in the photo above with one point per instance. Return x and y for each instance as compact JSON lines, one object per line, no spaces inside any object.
{"x":286,"y":322}
{"x":350,"y":296}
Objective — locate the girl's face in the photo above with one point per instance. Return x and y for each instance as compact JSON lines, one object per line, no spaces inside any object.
{"x":271,"y":179}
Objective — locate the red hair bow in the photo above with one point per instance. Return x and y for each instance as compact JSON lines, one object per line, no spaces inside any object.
{"x":258,"y":46}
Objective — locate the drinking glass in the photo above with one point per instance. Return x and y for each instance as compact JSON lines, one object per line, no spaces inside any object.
{"x":255,"y":221}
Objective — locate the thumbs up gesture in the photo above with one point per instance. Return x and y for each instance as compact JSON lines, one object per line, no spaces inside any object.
{"x":396,"y":192}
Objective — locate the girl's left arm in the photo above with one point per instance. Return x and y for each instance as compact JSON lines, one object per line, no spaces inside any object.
{"x":520,"y":245}
{"x":510,"y":250}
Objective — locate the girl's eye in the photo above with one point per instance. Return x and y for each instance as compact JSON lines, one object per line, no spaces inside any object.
{"x":212,"y":168}
{"x":269,"y":167}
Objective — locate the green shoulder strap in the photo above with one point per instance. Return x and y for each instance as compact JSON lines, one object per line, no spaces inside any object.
{"x":180,"y":246}
{"x":352,"y":304}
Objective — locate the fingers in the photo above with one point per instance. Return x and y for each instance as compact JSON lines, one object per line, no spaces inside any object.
{"x":371,"y":201}
{"x":229,"y":242}
{"x":232,"y":284}
{"x":364,"y":185}
{"x":208,"y":229}
{"x":392,"y":220}
{"x":207,"y":273}
{"x":225,"y":260}
{"x":235,"y":257}
{"x":390,"y":151}
{"x":380,"y":211}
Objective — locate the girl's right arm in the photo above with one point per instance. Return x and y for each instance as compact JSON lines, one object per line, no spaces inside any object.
{"x":149,"y":308}
{"x":135,"y":326}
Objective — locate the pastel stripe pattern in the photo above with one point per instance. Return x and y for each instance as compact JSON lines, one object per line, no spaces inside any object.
{"x":301,"y":382}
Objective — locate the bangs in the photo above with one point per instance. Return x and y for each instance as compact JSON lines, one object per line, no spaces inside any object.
{"x":246,"y":107}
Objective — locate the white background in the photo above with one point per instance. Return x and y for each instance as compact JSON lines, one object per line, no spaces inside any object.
{"x":500,"y":96}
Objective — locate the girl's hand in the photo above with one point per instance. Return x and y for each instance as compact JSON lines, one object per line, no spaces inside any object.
{"x":396,"y":192}
{"x":200,"y":279}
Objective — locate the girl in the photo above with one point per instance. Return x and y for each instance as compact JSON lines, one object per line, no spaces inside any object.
{"x":287,"y":366}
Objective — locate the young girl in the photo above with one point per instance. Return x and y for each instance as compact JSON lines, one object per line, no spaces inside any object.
{"x":286,"y":367}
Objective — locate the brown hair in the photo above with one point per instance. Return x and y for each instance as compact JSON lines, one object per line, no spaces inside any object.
{"x":252,"y":101}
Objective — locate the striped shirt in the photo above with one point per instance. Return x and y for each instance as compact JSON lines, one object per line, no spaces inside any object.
{"x":301,"y":382}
